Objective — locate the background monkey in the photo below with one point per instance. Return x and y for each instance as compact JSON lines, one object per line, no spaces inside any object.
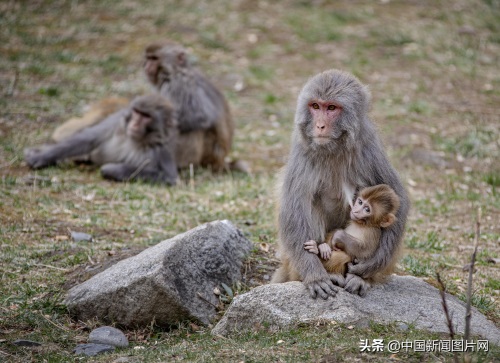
{"x":134,"y":143}
{"x":335,"y":150}
{"x":205,"y":123}
{"x":374,"y":209}
{"x":204,"y":120}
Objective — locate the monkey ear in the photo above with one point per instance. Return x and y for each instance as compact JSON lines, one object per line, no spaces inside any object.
{"x":182,"y":59}
{"x":388,"y":220}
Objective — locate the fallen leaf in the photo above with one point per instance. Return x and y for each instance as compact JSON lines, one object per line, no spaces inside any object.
{"x":264,"y":247}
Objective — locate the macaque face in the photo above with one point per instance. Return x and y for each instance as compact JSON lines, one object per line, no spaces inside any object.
{"x":361,"y":210}
{"x":138,"y":125}
{"x":324,"y":117}
{"x":151,"y":67}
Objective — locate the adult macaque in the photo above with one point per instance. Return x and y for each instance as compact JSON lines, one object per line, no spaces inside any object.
{"x":205,"y":123}
{"x":335,"y":151}
{"x":134,"y":143}
{"x":374,"y":209}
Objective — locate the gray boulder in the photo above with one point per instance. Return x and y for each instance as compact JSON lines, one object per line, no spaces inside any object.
{"x":404,"y":299}
{"x":167,"y":283}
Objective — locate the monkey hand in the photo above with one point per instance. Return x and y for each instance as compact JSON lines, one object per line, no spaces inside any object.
{"x":324,"y":251}
{"x":115,"y":171}
{"x":338,"y":279}
{"x":311,"y":246}
{"x":323,"y":285}
{"x":356,"y":285}
{"x":35,"y":158}
{"x":361,"y":269}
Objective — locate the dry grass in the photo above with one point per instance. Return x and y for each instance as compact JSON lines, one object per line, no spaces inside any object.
{"x":432,"y":67}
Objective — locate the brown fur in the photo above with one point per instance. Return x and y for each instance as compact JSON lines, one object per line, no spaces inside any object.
{"x":96,"y":113}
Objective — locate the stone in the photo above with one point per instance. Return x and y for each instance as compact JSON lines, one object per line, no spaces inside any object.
{"x":26,"y":343}
{"x":80,"y":236}
{"x":167,"y":283}
{"x":108,"y":335}
{"x":403,"y":299}
{"x":92,"y":349}
{"x":122,"y":360}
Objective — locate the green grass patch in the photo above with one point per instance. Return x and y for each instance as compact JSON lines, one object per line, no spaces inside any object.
{"x":417,"y":266}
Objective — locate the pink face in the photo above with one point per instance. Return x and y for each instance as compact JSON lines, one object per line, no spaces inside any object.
{"x":137,"y":125}
{"x":151,"y":66}
{"x":324,"y":114}
{"x":361,"y":210}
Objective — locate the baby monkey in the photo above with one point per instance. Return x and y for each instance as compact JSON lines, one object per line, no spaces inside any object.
{"x":375,"y":208}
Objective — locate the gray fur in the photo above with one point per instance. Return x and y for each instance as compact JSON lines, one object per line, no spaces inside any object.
{"x":313,"y":200}
{"x":121,"y":157}
{"x":201,"y":106}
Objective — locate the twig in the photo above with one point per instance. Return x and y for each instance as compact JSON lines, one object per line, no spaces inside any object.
{"x":5,"y":353}
{"x":9,"y":163}
{"x":50,"y":266}
{"x":55,"y":324}
{"x":206,"y":300}
{"x":468,"y":313}
{"x":442,"y":291}
{"x":191,"y":176}
{"x":449,"y":322}
{"x":139,"y":169}
{"x":12,"y":86}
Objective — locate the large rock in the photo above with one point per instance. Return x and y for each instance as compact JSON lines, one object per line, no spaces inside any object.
{"x":169,"y":282}
{"x":404,"y":299}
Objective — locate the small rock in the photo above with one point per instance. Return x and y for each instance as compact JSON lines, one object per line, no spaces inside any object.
{"x":108,"y":335}
{"x":403,"y":327}
{"x":80,"y":236}
{"x":92,"y":349}
{"x":26,"y":343}
{"x":363,"y":323}
{"x":121,"y":360}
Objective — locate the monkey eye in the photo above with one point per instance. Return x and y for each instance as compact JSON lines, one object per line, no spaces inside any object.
{"x":367,"y":210}
{"x":143,"y":114}
{"x":315,"y":106}
{"x":331,"y":107}
{"x":360,"y":201}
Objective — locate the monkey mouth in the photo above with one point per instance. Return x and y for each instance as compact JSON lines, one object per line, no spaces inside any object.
{"x":355,"y":218}
{"x":321,"y":140}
